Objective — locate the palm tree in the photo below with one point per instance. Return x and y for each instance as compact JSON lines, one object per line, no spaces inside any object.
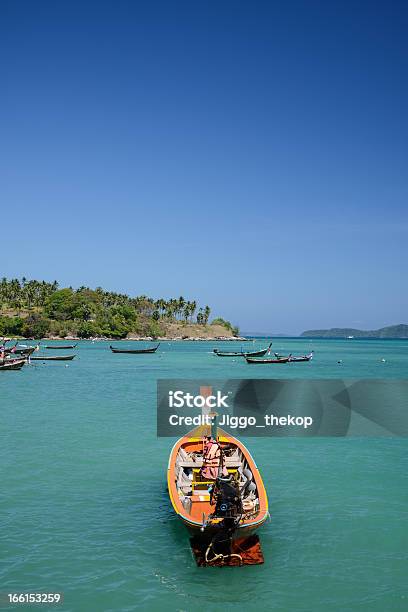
{"x":193,"y":306}
{"x":181,"y":304}
{"x":15,"y":293}
{"x":207,"y":311}
{"x":186,"y":311}
{"x":29,"y":293}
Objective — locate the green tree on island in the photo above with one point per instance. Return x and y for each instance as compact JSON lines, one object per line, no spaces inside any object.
{"x":38,"y":308}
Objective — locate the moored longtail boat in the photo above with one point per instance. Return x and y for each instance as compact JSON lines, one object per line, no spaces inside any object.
{"x":11,"y":364}
{"x":134,"y":351}
{"x":294,"y":358}
{"x":52,"y":358}
{"x":61,"y":347}
{"x":279,"y":360}
{"x":308,"y":357}
{"x":19,"y":350}
{"x":226,"y":508}
{"x":243,"y":353}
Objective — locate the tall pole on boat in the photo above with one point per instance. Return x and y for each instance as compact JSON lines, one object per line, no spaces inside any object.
{"x":206,"y":410}
{"x":214,"y":425}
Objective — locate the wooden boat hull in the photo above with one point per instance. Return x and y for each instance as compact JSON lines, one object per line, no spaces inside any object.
{"x":135,"y":351}
{"x":15,"y":364}
{"x":192,"y":515}
{"x":260,"y":353}
{"x":53,"y":358}
{"x":294,"y":358}
{"x":21,"y":351}
{"x":243,"y":531}
{"x":250,"y":360}
{"x":61,"y":348}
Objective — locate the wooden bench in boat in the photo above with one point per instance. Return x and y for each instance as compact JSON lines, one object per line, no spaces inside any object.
{"x":196,"y":484}
{"x":229,"y":463}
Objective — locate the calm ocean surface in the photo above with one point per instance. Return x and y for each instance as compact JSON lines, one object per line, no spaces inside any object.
{"x":85,"y":511}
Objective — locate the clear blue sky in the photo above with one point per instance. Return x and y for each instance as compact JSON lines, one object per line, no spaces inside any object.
{"x":250,"y":155}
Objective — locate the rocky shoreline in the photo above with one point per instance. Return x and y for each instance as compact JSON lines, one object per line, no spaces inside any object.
{"x":173,"y":332}
{"x":158,"y":339}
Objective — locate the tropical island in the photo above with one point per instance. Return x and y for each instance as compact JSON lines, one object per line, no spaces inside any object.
{"x":391,"y":331}
{"x":39,"y":309}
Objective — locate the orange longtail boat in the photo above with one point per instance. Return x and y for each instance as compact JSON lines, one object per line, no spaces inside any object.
{"x":229,"y":507}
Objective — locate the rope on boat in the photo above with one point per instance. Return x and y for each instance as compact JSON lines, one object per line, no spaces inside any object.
{"x":220,"y":556}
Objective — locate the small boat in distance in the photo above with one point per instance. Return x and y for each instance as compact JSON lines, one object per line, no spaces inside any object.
{"x":280,"y":360}
{"x":20,"y":350}
{"x":260,"y":353}
{"x":294,"y":358}
{"x":61,"y":347}
{"x":53,"y":358}
{"x":11,"y":364}
{"x":134,"y":351}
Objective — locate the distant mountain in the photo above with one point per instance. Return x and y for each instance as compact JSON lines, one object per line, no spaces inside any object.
{"x":392,"y":331}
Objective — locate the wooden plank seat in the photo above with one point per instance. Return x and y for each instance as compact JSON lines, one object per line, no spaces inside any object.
{"x":196,"y":483}
{"x":233,"y":463}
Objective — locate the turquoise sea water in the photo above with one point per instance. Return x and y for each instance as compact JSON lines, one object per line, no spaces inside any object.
{"x":84,"y":505}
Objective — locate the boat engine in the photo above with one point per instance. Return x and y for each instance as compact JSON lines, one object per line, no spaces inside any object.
{"x":228,"y":506}
{"x":227,"y":497}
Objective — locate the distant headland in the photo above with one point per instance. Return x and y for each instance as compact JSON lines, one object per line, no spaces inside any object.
{"x":39,"y":309}
{"x":392,"y":331}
